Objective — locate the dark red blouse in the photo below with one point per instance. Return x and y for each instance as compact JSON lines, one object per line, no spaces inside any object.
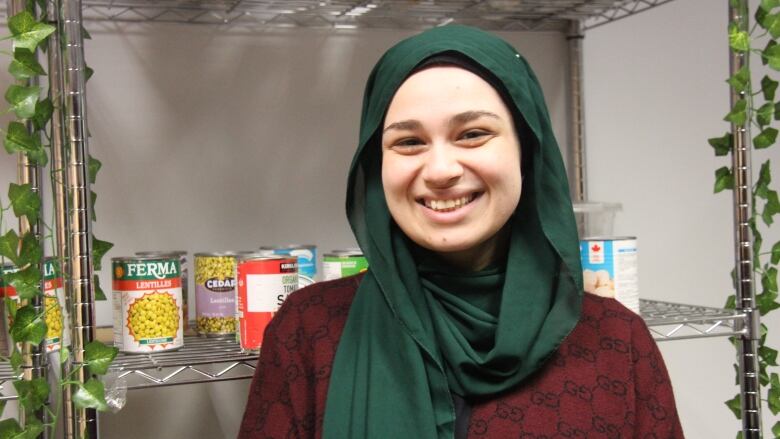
{"x":607,"y":379}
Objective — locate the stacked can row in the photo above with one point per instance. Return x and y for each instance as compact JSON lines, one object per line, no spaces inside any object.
{"x":235,"y":293}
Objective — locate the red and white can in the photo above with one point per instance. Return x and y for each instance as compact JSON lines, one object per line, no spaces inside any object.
{"x":263,"y":283}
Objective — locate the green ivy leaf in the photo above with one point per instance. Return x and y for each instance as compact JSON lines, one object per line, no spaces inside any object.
{"x":768,"y":354}
{"x":772,"y":55}
{"x":735,"y":406}
{"x":776,"y":429}
{"x":764,"y":178}
{"x":773,"y":396}
{"x":24,"y":201}
{"x":9,"y":428}
{"x":772,"y":22}
{"x":723,"y":179}
{"x":99,"y":294}
{"x":16,"y":359}
{"x":731,"y":302}
{"x":738,"y":40}
{"x":771,"y":208}
{"x":766,"y":302}
{"x":91,"y":395}
{"x":765,"y":139}
{"x":88,"y":72}
{"x":768,"y":5}
{"x":27,"y":282}
{"x":99,"y":249}
{"x":761,"y":16}
{"x":28,"y":327}
{"x":763,"y":376}
{"x":43,"y":112}
{"x":92,"y":201}
{"x":9,"y":246}
{"x":99,"y":357}
{"x":27,"y":32}
{"x":18,"y":139}
{"x":32,"y":393}
{"x":764,"y":58}
{"x":776,"y":253}
{"x":740,"y":80}
{"x":23,"y":99}
{"x":94,"y":166}
{"x":32,"y":429}
{"x":765,"y":114}
{"x":24,"y":65}
{"x":769,"y":279}
{"x":768,"y":87}
{"x":64,"y":354}
{"x":31,"y":251}
{"x":722,"y":145}
{"x":738,"y":113}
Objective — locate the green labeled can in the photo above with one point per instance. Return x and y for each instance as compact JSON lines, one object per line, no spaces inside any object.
{"x":343,"y":263}
{"x":147,"y":303}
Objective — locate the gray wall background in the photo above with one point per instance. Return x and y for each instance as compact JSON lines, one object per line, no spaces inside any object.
{"x":215,"y":139}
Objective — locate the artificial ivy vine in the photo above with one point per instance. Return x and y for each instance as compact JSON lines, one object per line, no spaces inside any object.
{"x":25,"y":252}
{"x":757,"y":110}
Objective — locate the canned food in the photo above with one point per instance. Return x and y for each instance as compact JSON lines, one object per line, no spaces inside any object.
{"x":343,"y":263}
{"x":55,"y":310}
{"x":264,"y":282}
{"x":147,"y":304}
{"x":7,"y":292}
{"x":215,"y":294}
{"x":307,"y":259}
{"x":610,"y":269}
{"x":182,"y":255}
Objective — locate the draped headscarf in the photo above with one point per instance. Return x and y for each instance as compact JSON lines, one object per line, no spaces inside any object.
{"x":416,"y":332}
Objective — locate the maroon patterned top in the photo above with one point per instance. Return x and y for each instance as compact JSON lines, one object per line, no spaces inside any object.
{"x":607,"y":379}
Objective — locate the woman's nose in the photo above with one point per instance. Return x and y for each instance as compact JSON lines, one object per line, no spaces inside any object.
{"x":442,"y":167}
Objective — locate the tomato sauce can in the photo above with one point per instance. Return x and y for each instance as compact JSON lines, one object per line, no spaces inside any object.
{"x":215,"y":294}
{"x":55,"y":310}
{"x":263,"y":283}
{"x":147,"y":304}
{"x":610,"y":269}
{"x":343,"y":263}
{"x":307,"y":259}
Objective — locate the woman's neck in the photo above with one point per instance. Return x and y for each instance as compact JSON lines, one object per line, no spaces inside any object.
{"x":482,"y":255}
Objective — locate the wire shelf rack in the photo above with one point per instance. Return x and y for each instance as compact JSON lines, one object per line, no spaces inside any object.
{"x":199,"y":360}
{"x":500,"y":15}
{"x":674,"y":321}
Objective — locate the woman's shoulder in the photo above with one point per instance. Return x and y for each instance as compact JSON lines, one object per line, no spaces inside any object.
{"x":605,"y":321}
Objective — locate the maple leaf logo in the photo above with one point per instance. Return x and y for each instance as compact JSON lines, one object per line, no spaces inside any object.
{"x":596,"y":248}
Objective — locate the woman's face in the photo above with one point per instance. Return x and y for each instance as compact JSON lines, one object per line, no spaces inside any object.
{"x":450,"y":161}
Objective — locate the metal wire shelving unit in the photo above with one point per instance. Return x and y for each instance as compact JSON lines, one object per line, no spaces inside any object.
{"x":209,"y":360}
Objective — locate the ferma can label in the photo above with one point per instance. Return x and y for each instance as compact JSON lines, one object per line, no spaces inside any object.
{"x":147,"y":298}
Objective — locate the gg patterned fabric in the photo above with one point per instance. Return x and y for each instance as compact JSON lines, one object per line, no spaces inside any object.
{"x":606,"y":380}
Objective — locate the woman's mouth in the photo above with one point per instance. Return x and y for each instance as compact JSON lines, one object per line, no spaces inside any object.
{"x":449,"y":204}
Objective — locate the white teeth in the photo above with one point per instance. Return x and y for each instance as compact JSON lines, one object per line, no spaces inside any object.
{"x":444,"y":205}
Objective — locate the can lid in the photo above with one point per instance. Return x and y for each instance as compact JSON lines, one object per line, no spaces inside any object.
{"x":288,"y":247}
{"x":608,"y":238}
{"x":143,"y":258}
{"x":215,"y":254}
{"x":260,"y":256}
{"x":343,"y":253}
{"x":162,"y":253}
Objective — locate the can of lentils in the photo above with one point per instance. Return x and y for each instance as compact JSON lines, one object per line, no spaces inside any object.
{"x":307,"y":259}
{"x":182,"y":255}
{"x":55,"y":311}
{"x":215,"y":294}
{"x":147,"y":304}
{"x":343,"y":263}
{"x":264,"y":282}
{"x":610,"y":269}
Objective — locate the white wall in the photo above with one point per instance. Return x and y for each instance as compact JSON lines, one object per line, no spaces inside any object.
{"x":655,"y":92}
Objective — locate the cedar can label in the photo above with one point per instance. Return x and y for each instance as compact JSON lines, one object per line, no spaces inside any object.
{"x":147,"y":298}
{"x":215,"y":294}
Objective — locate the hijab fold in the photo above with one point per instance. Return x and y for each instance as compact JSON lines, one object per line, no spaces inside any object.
{"x":419,"y":331}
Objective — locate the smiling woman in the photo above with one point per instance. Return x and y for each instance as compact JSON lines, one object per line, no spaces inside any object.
{"x":470,"y":321}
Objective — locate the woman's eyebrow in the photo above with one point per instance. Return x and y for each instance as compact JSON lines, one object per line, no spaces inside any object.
{"x":405,"y":125}
{"x":468,"y":116}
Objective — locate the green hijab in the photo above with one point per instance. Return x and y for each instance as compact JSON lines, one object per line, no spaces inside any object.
{"x":415,"y":333}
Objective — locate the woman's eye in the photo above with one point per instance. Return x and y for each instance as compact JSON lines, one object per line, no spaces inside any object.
{"x":474,"y":135}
